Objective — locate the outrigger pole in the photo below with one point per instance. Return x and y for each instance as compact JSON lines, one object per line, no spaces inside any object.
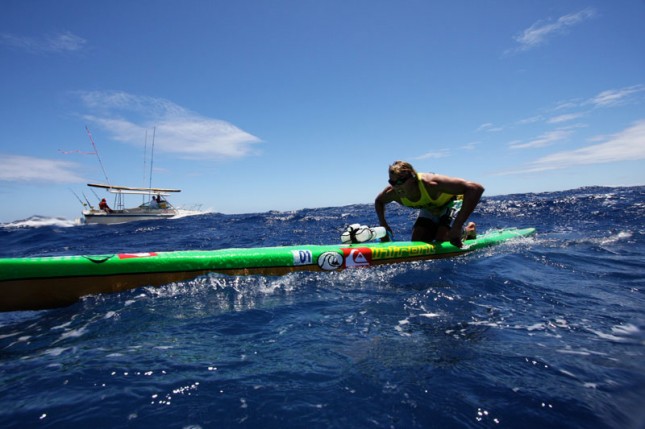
{"x":96,"y":151}
{"x":79,"y":198}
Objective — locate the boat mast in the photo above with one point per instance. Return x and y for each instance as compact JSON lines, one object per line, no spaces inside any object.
{"x":152,"y":156}
{"x":145,"y":159}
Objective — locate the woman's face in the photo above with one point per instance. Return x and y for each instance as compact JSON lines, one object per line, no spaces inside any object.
{"x":401,"y":182}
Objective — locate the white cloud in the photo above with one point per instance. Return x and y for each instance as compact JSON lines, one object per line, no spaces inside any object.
{"x":540,"y":32}
{"x":531,"y":120}
{"x":56,"y":43}
{"x":613,"y":97}
{"x":564,"y":118}
{"x":17,"y":168}
{"x":442,"y":153}
{"x":489,"y":128}
{"x":627,"y":145}
{"x":545,"y":139}
{"x":607,"y":98}
{"x":177,"y":130}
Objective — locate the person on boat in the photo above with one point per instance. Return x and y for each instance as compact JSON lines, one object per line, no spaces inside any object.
{"x":161,"y":203}
{"x":444,"y":203}
{"x":103,"y":205}
{"x":154,"y":202}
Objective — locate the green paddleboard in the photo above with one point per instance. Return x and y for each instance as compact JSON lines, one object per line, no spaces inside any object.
{"x":45,"y":282}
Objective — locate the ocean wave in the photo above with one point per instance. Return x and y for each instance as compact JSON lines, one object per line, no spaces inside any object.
{"x":547,"y":330}
{"x":40,"y":221}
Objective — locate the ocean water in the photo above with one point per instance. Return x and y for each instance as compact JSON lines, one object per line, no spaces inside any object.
{"x":544,"y":332}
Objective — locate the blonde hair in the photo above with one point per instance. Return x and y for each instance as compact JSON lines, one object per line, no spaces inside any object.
{"x":401,"y":168}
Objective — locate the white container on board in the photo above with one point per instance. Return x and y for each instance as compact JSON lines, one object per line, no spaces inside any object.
{"x":357,"y":233}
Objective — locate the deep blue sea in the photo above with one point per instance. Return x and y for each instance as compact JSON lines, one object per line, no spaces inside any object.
{"x":543,"y":332}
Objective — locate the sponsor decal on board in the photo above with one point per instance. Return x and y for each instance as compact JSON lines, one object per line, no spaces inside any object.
{"x":330,"y":261}
{"x":357,"y":257}
{"x":407,"y":251}
{"x":302,"y":257}
{"x":136,"y":255}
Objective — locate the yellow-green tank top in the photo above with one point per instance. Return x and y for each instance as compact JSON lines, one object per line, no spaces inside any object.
{"x":426,"y":202}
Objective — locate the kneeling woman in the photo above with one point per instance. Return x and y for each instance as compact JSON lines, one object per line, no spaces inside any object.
{"x":445,"y":203}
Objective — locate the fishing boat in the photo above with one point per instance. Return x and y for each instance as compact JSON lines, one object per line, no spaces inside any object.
{"x":156,"y":207}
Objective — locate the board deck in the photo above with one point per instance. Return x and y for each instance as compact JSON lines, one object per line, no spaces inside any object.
{"x":45,"y":282}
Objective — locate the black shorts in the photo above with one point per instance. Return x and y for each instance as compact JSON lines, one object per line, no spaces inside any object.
{"x":431,"y":221}
{"x":431,"y":225}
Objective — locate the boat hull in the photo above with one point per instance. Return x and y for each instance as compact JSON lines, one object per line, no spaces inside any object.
{"x":123,"y":216}
{"x":46,"y":282}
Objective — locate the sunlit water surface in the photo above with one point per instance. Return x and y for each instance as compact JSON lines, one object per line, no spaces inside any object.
{"x":541,"y":332}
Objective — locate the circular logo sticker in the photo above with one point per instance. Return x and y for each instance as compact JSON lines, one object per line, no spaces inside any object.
{"x":330,"y":261}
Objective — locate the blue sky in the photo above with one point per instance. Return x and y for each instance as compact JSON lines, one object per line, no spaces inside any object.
{"x":281,"y":105}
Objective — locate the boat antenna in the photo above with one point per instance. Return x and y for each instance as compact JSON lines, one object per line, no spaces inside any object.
{"x":96,"y":151}
{"x":152,"y":154}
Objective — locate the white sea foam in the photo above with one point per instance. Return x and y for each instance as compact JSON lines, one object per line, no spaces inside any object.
{"x":185,"y":213}
{"x":429,"y":315}
{"x":40,"y":221}
{"x":627,"y":329}
{"x":615,"y":238}
{"x":56,"y":351}
{"x":74,"y":333}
